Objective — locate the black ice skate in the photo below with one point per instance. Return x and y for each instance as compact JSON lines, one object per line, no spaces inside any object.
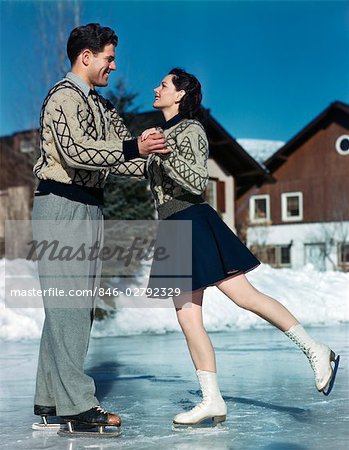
{"x":49,"y":419}
{"x":94,"y":422}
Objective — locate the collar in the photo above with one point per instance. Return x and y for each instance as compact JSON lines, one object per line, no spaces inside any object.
{"x":79,"y":82}
{"x":173,"y":121}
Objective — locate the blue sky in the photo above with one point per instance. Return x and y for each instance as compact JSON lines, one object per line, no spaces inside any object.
{"x":267,"y":68}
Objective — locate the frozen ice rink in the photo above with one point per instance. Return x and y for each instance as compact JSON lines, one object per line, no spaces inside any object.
{"x":143,"y":371}
{"x":266,"y":382}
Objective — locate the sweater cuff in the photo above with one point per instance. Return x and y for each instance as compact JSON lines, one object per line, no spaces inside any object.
{"x":130,"y":149}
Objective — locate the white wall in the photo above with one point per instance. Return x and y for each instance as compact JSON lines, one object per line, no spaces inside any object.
{"x":329,"y":233}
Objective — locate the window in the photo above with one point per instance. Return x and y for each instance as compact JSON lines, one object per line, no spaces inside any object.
{"x":259,"y":208}
{"x":28,"y":145}
{"x":285,"y":256}
{"x":211,"y":193}
{"x":275,"y":255}
{"x":343,"y":255}
{"x":292,"y":206}
{"x":215,"y":194}
{"x":315,"y":254}
{"x":342,"y":144}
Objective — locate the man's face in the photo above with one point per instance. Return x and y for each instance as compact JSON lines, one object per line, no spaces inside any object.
{"x":101,"y":64}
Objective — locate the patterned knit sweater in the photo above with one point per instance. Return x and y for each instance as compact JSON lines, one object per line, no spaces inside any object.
{"x":177,"y":179}
{"x":81,"y":137}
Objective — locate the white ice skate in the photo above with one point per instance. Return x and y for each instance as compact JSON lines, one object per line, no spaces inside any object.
{"x":211,"y":408}
{"x":320,"y":358}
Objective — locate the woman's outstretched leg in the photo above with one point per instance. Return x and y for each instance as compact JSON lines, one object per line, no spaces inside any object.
{"x":189,"y":314}
{"x":241,"y":292}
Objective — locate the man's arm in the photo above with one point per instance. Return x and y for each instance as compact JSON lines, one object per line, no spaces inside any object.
{"x":134,"y":168}
{"x":83,"y":152}
{"x":79,"y":150}
{"x":155,"y":143}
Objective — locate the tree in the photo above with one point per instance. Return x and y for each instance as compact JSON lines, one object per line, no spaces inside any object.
{"x":127,"y":198}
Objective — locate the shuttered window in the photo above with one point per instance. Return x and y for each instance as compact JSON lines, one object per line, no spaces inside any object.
{"x":215,"y":194}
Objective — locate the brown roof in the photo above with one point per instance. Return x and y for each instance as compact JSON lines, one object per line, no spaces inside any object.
{"x":226,"y":151}
{"x":336,"y":112}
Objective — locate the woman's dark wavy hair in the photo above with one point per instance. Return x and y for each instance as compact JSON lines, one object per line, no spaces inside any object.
{"x":91,"y":36}
{"x":190,"y":103}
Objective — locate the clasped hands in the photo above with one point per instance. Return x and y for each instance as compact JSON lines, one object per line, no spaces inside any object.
{"x":152,"y":141}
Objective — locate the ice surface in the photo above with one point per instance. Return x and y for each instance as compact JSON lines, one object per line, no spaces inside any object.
{"x":265,"y":380}
{"x":143,"y":371}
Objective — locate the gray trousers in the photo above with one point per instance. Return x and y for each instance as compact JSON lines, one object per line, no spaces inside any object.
{"x":68,"y":229}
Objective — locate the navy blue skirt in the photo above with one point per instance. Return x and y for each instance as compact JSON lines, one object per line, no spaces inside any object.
{"x":216,"y":252}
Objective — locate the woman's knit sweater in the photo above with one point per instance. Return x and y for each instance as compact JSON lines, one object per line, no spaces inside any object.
{"x":177,"y":179}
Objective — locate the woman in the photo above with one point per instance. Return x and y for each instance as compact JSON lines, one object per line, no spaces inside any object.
{"x":219,"y":258}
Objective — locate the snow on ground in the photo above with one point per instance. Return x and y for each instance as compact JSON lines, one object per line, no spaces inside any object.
{"x":315,"y":298}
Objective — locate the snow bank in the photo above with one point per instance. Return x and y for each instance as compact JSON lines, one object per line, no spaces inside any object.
{"x":315,"y":298}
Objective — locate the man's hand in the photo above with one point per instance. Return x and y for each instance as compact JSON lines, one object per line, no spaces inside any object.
{"x":148,"y":132}
{"x":154,"y":143}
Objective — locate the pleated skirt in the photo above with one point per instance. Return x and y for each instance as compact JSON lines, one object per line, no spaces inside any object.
{"x":216,"y":252}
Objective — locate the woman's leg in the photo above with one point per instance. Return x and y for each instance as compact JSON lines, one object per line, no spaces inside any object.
{"x":189,"y":313}
{"x":241,"y":292}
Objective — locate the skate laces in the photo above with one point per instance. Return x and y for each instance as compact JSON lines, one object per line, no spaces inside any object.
{"x":197,"y":407}
{"x":309,"y":353}
{"x":101,"y":410}
{"x":200,"y":405}
{"x":313,"y":360}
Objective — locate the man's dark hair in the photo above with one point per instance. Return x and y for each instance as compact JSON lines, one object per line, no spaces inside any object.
{"x":91,"y":36}
{"x":189,"y":105}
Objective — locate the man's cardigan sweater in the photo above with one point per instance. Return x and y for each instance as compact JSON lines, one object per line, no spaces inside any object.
{"x":177,"y":179}
{"x":82,"y":138}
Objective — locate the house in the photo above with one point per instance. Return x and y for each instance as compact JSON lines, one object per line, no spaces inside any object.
{"x":303,"y":217}
{"x":232,"y":170}
{"x":17,"y":153}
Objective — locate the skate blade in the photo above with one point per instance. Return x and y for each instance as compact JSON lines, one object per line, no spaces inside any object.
{"x":90,"y":432}
{"x":334,"y":373}
{"x":48,"y":427}
{"x":207,"y":425}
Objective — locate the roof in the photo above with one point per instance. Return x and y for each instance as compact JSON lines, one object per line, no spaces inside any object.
{"x":337,"y":111}
{"x":228,"y":153}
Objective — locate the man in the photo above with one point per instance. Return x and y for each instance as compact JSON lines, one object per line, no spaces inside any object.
{"x":83,"y":139}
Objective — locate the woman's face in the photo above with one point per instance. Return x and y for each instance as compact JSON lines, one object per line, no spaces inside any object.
{"x":166,"y":95}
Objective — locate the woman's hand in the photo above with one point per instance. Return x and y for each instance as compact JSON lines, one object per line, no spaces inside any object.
{"x":148,"y":132}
